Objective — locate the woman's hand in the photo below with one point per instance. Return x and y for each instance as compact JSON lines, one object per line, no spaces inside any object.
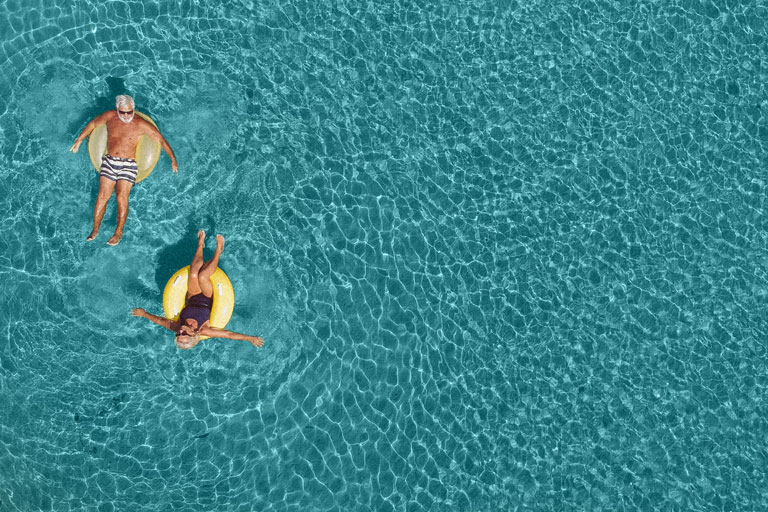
{"x":138,"y":312}
{"x":256,"y":341}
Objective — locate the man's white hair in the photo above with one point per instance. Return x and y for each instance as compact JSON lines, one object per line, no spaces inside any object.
{"x":124,"y":101}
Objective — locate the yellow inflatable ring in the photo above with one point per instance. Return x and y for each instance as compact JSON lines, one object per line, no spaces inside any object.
{"x":175,"y":296}
{"x":147,"y":150}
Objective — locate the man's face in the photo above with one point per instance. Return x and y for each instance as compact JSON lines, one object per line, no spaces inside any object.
{"x":125,"y":114}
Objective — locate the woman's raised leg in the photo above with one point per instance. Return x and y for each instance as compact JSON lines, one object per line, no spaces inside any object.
{"x":193,"y":287}
{"x":210,"y":266}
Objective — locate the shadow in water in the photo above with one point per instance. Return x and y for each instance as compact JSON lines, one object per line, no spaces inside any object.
{"x":115,"y":87}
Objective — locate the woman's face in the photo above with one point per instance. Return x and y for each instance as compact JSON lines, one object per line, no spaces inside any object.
{"x":188,"y":328}
{"x":186,"y":336}
{"x":186,"y":342}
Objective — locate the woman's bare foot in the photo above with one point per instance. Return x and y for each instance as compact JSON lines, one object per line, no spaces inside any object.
{"x":115,"y":239}
{"x":219,"y":243}
{"x":92,"y":236}
{"x":201,"y":236}
{"x":256,"y":341}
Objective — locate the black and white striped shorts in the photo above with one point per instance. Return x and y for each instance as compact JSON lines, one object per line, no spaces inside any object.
{"x":115,"y":169}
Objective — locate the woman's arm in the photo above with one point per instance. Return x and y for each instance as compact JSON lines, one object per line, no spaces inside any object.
{"x":223,"y":333}
{"x":159,"y":320}
{"x":87,"y":130}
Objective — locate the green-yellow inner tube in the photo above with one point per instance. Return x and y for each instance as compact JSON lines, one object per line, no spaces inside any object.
{"x":147,"y":150}
{"x":175,"y":294}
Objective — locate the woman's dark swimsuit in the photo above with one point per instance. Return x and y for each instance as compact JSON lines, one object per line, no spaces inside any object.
{"x":197,"y":307}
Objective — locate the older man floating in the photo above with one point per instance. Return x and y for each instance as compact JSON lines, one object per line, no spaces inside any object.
{"x":118,"y":166}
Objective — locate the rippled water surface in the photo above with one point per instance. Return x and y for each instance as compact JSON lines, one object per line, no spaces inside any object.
{"x":505,"y":256}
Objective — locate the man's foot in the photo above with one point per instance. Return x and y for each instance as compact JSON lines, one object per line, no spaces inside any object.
{"x":114,"y":240}
{"x":92,"y":236}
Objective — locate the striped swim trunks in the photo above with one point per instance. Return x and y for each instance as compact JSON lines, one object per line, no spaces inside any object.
{"x":115,"y":169}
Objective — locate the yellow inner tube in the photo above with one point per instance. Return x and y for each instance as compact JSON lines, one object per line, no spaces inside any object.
{"x":175,"y":295}
{"x":147,"y":150}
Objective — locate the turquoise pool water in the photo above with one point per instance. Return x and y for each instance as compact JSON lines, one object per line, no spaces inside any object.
{"x":505,"y":256}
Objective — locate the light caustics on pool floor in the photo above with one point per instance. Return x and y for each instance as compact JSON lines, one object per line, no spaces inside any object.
{"x":504,"y":258}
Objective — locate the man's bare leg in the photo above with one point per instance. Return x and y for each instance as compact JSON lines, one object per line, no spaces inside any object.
{"x":106,"y":186}
{"x":123,"y":191}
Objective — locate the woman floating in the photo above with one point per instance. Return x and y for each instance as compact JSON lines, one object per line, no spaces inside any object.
{"x":194,"y":319}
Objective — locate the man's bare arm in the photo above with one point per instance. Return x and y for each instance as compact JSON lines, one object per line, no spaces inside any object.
{"x":101,"y":119}
{"x":155,"y":135}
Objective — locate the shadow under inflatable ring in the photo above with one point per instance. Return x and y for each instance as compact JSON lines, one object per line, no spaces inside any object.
{"x":175,"y":294}
{"x":147,"y":150}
